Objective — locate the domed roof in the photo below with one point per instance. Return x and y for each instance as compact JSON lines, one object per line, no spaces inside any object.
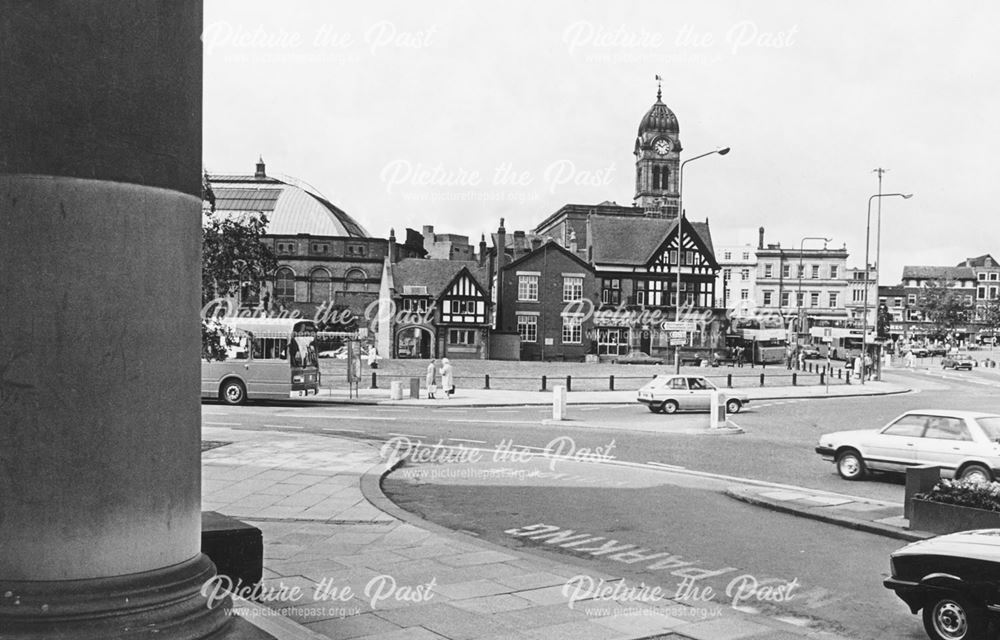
{"x":659,"y":118}
{"x":290,"y":209}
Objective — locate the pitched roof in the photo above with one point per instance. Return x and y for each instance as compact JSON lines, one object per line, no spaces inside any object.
{"x":434,"y":274}
{"x":933,"y":273}
{"x":550,"y":244}
{"x":979,"y":261}
{"x":628,"y":240}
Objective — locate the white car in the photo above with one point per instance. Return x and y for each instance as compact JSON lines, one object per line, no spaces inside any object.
{"x":670,"y":394}
{"x":965,"y":444}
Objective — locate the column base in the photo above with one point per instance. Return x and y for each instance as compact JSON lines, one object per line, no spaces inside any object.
{"x":167,"y":604}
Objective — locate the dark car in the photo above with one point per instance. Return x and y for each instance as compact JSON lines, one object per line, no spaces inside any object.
{"x":954,"y":579}
{"x":937,"y":351}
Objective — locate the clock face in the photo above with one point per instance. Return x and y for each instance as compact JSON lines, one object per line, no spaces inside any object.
{"x":662,"y":146}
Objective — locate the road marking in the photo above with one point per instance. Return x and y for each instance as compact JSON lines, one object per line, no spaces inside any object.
{"x":393,"y":410}
{"x":405,"y":435}
{"x":223,"y":424}
{"x":467,"y":421}
{"x":664,"y":466}
{"x":351,"y":430}
{"x":501,"y":411}
{"x":590,"y":408}
{"x":461,"y":440}
{"x":282,"y":426}
{"x":334,"y":416}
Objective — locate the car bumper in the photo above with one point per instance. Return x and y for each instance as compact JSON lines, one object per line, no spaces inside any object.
{"x":646,"y":400}
{"x":913,"y":594}
{"x":826,"y":452}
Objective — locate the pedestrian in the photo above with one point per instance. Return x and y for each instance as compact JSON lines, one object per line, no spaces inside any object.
{"x":849,"y":365}
{"x":868,"y":366}
{"x":911,"y":360}
{"x":447,"y":379}
{"x":372,"y":357}
{"x":431,"y":380}
{"x":802,"y":360}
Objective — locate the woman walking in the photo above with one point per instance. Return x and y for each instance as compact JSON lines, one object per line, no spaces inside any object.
{"x":431,"y":380}
{"x":447,"y":381}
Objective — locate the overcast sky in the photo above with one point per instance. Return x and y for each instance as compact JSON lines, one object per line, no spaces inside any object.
{"x":458,"y":113}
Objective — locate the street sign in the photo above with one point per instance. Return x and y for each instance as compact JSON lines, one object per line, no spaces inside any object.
{"x":677,"y":342}
{"x":678,"y":335}
{"x":678,"y":326}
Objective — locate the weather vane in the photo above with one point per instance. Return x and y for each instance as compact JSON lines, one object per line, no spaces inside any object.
{"x":658,"y":90}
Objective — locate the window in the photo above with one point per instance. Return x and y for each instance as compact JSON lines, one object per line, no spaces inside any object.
{"x":746,"y":255}
{"x":462,"y":336}
{"x":744,"y":274}
{"x":613,"y":341}
{"x":571,"y":330}
{"x":356,"y":280}
{"x":982,"y":276}
{"x":689,"y":257}
{"x":728,"y":255}
{"x":946,"y":429}
{"x":993,"y":293}
{"x":320,"y":248}
{"x":767,"y":298}
{"x":678,"y":383}
{"x":415,"y":305}
{"x":833,"y":271}
{"x":815,"y":271}
{"x":911,"y":426}
{"x":898,"y":303}
{"x":981,"y":292}
{"x":858,"y":295}
{"x":786,"y":299}
{"x":833,"y":301}
{"x":814,"y":299}
{"x":611,"y":291}
{"x":320,"y":285}
{"x":356,"y":249}
{"x":285,"y":247}
{"x":911,"y":299}
{"x":767,"y":270}
{"x":527,"y":328}
{"x":284,"y":285}
{"x":527,"y":288}
{"x":994,"y":276}
{"x":799,"y":299}
{"x":572,"y":289}
{"x":802,"y":270}
{"x":744,"y":294}
{"x":727,"y":274}
{"x":786,"y":271}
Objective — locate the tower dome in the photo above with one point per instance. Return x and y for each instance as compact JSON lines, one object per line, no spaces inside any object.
{"x":659,"y":118}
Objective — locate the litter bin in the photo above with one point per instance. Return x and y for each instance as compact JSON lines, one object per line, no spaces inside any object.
{"x":396,"y":390}
{"x":414,"y":388}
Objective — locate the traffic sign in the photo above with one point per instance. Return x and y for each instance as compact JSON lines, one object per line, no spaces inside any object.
{"x":678,"y":326}
{"x":678,"y":335}
{"x":677,"y":342}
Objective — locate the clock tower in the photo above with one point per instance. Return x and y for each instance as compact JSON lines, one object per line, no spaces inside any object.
{"x":657,"y":161}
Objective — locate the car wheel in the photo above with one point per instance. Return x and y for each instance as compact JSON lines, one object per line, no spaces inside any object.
{"x":733,"y":406}
{"x":233,"y":392}
{"x":975,"y":473}
{"x":951,"y":617}
{"x":670,"y":406}
{"x":850,"y":465}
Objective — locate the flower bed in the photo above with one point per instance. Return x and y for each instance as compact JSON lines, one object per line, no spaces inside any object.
{"x":978,"y":495}
{"x":954,"y":505}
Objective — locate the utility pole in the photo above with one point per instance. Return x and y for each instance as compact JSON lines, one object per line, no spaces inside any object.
{"x":878,"y":267}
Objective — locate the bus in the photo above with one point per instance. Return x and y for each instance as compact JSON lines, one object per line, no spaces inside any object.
{"x":840,"y":343}
{"x":269,"y":358}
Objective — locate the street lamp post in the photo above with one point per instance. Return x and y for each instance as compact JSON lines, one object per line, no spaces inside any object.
{"x":680,"y":244}
{"x":868,"y":226}
{"x":798,"y":293}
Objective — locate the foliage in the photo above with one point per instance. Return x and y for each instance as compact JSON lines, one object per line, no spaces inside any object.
{"x":214,"y":338}
{"x":965,"y":493}
{"x":989,"y":315}
{"x":944,"y":305}
{"x":232,"y":257}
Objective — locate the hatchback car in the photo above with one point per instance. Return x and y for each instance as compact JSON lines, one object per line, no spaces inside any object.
{"x":958,"y":361}
{"x":670,"y":394}
{"x":965,"y":444}
{"x":955,"y":579}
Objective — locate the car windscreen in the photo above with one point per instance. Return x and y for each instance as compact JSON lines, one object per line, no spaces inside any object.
{"x":991,"y":427}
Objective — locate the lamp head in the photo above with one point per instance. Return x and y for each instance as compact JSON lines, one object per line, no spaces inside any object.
{"x":723,"y":152}
{"x":907,"y":196}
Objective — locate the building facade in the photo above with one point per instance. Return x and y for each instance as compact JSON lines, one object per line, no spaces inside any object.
{"x":860,"y":282}
{"x":737,"y":281}
{"x":962,"y":279}
{"x":804,"y":286}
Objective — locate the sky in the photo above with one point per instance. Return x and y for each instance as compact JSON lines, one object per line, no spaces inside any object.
{"x":456,"y":114}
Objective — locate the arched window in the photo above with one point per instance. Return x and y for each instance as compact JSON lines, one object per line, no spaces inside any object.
{"x":664,"y":173}
{"x":356,"y":280}
{"x":656,"y":177}
{"x":320,"y":285}
{"x":284,"y":285}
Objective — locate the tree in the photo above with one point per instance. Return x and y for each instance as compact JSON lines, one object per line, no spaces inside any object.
{"x":232,"y":257}
{"x":989,"y":316}
{"x":943,"y":305}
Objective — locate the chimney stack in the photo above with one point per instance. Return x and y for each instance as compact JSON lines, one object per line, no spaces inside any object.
{"x":428,"y":232}
{"x":482,"y":249}
{"x":535,"y":242}
{"x":760,"y":242}
{"x":392,"y":246}
{"x":501,"y":258}
{"x":259,"y":173}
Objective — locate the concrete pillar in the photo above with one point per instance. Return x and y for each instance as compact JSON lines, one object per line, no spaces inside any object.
{"x":558,"y":402}
{"x":100,"y":464}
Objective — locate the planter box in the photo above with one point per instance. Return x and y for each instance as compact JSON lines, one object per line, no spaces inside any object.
{"x":938,"y":517}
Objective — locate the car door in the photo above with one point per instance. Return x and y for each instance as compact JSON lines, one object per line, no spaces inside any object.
{"x":699,"y":394}
{"x":947,"y":442}
{"x":895,"y":447}
{"x":677,"y":389}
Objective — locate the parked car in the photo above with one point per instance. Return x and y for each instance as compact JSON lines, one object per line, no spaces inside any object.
{"x":810,"y":353}
{"x":670,"y":394}
{"x":954,"y":579}
{"x":919,"y":352}
{"x":965,"y":444}
{"x":638,"y":357}
{"x":937,"y":351}
{"x":959,"y":361}
{"x":339,"y":353}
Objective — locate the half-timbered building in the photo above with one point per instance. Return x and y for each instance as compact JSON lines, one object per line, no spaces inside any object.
{"x":441,"y":309}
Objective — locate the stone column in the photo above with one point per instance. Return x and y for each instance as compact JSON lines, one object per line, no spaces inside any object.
{"x":100,"y":174}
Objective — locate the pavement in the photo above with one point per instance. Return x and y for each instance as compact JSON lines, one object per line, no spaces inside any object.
{"x":499,"y":397}
{"x":342,"y":562}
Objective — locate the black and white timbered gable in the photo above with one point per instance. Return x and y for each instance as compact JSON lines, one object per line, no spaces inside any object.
{"x":464,"y":301}
{"x":696,"y":258}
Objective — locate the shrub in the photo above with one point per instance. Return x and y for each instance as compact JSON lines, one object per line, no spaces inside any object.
{"x":964,"y":493}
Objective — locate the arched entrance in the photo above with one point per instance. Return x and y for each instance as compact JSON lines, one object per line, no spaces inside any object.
{"x":414,"y":342}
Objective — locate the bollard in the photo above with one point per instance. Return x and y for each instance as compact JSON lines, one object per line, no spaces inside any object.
{"x":569,"y":383}
{"x":487,"y":381}
{"x":847,"y":377}
{"x":374,"y":385}
{"x":396,"y":390}
{"x":611,"y":383}
{"x":543,"y":383}
{"x":415,"y":388}
{"x":717,"y":414}
{"x":822,"y":375}
{"x":729,"y":381}
{"x":795,"y":379}
{"x":840,"y":374}
{"x":762,"y":379}
{"x":558,"y":402}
